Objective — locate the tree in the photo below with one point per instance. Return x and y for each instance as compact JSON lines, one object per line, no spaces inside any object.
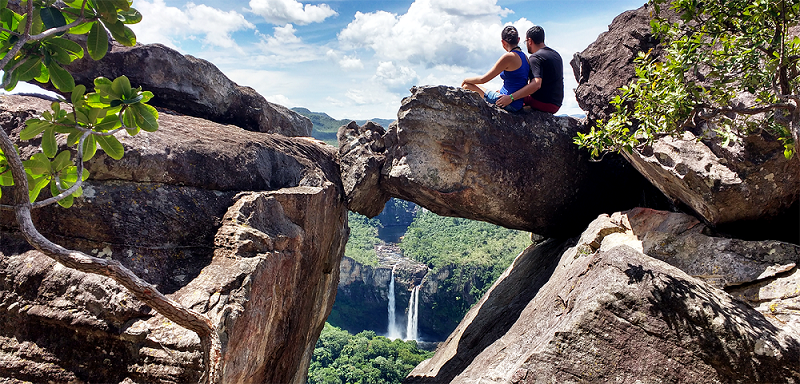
{"x":731,"y":66}
{"x":34,"y":46}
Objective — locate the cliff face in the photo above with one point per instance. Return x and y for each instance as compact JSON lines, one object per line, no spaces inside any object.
{"x":247,"y":228}
{"x":604,"y":307}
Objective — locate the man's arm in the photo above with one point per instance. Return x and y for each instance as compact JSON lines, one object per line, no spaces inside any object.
{"x":529,"y":89}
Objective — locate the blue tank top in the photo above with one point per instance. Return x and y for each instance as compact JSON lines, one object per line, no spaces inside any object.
{"x":514,"y":80}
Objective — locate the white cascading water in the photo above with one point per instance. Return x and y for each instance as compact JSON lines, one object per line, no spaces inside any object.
{"x":413,"y":311}
{"x":393,"y":333}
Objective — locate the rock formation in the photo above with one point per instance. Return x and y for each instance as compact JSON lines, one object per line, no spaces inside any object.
{"x":748,"y":182}
{"x":245,"y":227}
{"x":602,"y":308}
{"x":190,"y":86}
{"x":454,"y":154}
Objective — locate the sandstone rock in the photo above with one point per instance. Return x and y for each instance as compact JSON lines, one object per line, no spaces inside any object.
{"x":454,"y":154}
{"x":745,"y":181}
{"x":361,"y":154}
{"x":191,"y":86}
{"x":599,"y":310}
{"x":749,"y":183}
{"x":245,"y":227}
{"x":607,"y":64}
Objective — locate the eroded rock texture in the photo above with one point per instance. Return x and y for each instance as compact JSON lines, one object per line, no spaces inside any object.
{"x":454,"y":154}
{"x":746,"y":187}
{"x":598,"y":309}
{"x":191,"y":86}
{"x":245,"y":227}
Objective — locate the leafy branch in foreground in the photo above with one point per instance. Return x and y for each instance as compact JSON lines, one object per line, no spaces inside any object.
{"x":32,"y":47}
{"x":731,"y":66}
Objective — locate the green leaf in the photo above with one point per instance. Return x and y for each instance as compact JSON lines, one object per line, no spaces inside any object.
{"x":81,"y":29}
{"x":67,"y":201}
{"x":49,"y":146}
{"x":74,"y":137}
{"x":131,"y":16}
{"x":122,"y":34}
{"x":29,"y":69}
{"x":112,"y":147}
{"x":62,"y":161}
{"x":129,"y":120}
{"x":37,"y":165}
{"x":146,"y":117}
{"x":146,"y":96}
{"x":109,"y":122}
{"x":89,"y":148}
{"x":44,"y":76}
{"x":33,"y":127}
{"x":74,"y":49}
{"x":123,"y":5}
{"x":77,"y":95}
{"x":60,"y":77}
{"x":52,"y":17}
{"x":106,"y":8}
{"x":10,"y":79}
{"x":35,"y":186}
{"x":97,"y":41}
{"x":121,"y":87}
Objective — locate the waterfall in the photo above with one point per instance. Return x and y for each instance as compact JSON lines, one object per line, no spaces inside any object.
{"x":393,"y":332}
{"x":413,"y":312}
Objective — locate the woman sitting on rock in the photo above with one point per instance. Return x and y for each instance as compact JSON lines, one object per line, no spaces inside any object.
{"x":512,"y":67}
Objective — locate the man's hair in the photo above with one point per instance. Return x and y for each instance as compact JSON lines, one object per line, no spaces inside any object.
{"x":536,"y":33}
{"x":510,"y":35}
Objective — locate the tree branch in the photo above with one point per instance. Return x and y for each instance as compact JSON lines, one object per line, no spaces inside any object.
{"x":113,"y":269}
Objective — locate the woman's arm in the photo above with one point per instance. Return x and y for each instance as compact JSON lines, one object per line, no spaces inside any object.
{"x":503,"y":63}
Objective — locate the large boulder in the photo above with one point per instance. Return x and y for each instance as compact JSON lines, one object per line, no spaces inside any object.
{"x":245,"y":227}
{"x":746,"y":181}
{"x":190,"y":86}
{"x":598,"y":309}
{"x":746,"y":187}
{"x":456,"y":155}
{"x":607,"y":64}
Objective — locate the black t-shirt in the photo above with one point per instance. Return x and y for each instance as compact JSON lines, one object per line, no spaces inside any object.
{"x":546,"y":64}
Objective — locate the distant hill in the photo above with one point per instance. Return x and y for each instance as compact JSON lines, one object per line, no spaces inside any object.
{"x":325,"y":127}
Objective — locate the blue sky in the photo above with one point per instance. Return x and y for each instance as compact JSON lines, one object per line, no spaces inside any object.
{"x":357,"y":59}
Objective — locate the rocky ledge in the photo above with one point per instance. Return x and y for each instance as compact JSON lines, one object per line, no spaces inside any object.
{"x":640,"y":296}
{"x":245,"y":227}
{"x":452,"y":153}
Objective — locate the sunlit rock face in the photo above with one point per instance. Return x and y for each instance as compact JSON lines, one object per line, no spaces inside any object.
{"x":245,"y":227}
{"x":456,"y":155}
{"x":602,"y":307}
{"x":746,"y":187}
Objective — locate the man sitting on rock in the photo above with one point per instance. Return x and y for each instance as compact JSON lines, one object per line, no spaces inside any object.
{"x":545,"y":90}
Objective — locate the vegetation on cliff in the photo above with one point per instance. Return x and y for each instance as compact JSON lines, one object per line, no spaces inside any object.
{"x":472,"y":254}
{"x":340,"y":357}
{"x":363,"y":238}
{"x":732,"y":64}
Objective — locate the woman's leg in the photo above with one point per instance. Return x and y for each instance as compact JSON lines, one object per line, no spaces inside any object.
{"x":474,"y":88}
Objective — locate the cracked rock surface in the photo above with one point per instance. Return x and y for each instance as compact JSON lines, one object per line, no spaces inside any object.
{"x":245,"y":227}
{"x":603,"y":308}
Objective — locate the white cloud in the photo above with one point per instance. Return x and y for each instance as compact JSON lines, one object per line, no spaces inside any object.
{"x":432,"y":32}
{"x":396,"y":78}
{"x":284,"y":47}
{"x":279,"y":99}
{"x":281,"y":12}
{"x":350,"y":62}
{"x":168,"y":25}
